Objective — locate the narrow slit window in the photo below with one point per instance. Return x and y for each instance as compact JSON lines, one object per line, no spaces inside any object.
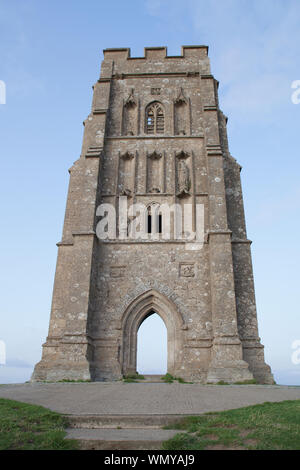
{"x":149,"y":223}
{"x":159,"y":223}
{"x":158,"y":220}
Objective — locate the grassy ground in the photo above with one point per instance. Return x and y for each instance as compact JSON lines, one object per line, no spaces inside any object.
{"x":133,"y":378}
{"x":26,"y":427}
{"x":269,"y":426}
{"x":169,"y":379}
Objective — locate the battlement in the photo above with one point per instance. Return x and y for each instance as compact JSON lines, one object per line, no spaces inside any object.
{"x":154,"y":53}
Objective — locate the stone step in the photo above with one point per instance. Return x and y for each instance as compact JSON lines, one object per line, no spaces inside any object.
{"x":120,"y":439}
{"x":121,"y":421}
{"x":152,"y":378}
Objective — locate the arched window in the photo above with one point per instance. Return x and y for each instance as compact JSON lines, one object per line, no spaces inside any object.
{"x":155,"y":119}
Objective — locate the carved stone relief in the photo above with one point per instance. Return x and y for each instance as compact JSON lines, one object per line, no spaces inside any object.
{"x":183,"y":178}
{"x":187,"y":270}
{"x":130,"y":115}
{"x":181,"y":114}
{"x":117,"y":271}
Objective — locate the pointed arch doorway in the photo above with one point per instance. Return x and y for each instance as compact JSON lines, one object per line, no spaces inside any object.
{"x":152,"y":351}
{"x":138,"y":311}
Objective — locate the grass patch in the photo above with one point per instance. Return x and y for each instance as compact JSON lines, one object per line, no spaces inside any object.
{"x":31,"y":427}
{"x":246,"y":382}
{"x":74,"y":381}
{"x":68,"y":381}
{"x":168,"y":378}
{"x":131,"y":378}
{"x":269,"y":426}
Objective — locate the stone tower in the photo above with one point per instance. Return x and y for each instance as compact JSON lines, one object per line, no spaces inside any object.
{"x":155,"y":136}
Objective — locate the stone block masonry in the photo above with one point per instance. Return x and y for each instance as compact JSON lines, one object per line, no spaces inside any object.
{"x":156,"y":135}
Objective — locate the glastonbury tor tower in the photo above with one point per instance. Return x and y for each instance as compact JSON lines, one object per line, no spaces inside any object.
{"x":156,"y":135}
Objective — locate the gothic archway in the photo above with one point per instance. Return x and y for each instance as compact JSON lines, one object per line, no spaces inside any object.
{"x":142,"y":307}
{"x":152,"y":355}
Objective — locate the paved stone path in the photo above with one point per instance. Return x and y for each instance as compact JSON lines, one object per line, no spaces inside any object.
{"x":121,"y":434}
{"x":144,"y":398}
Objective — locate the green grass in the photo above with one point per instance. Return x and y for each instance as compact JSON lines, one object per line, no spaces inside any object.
{"x":134,"y":376}
{"x":168,"y":378}
{"x":244,"y":382}
{"x":74,"y":381}
{"x":63,"y":381}
{"x":31,"y":427}
{"x":270,"y":426}
{"x":131,"y":378}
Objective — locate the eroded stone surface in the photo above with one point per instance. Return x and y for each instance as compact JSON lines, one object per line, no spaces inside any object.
{"x":156,"y":135}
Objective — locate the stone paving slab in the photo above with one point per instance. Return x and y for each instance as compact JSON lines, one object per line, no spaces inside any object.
{"x":120,"y":439}
{"x":149,"y":398}
{"x":121,"y":434}
{"x":133,"y":421}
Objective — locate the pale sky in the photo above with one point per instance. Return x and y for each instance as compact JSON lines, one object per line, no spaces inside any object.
{"x":50,"y":57}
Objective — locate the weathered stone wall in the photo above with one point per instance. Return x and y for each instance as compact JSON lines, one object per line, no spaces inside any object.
{"x":104,"y":289}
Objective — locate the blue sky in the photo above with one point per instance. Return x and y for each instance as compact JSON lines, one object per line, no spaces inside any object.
{"x":50,"y":58}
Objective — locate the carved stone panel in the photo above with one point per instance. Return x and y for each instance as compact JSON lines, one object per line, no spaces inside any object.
{"x":155,"y":91}
{"x":117,"y":271}
{"x":187,"y":270}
